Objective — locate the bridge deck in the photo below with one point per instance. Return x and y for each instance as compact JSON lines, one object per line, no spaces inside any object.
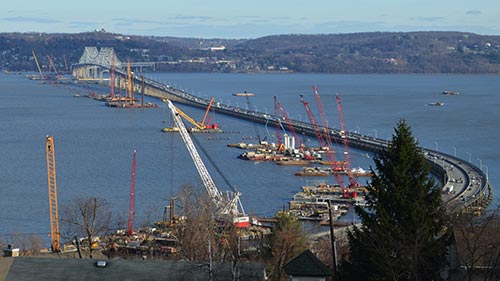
{"x":471,"y":189}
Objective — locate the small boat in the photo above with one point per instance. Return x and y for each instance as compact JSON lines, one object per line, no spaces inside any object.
{"x":244,"y":94}
{"x":437,"y":103}
{"x":450,"y":93}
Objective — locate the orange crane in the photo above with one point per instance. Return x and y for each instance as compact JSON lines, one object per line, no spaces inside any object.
{"x":205,"y":122}
{"x":345,"y":141}
{"x":53,"y":208}
{"x":112,"y":75}
{"x":131,"y":211}
{"x":130,"y":83}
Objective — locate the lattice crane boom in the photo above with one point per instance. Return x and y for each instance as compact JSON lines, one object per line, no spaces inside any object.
{"x":288,"y":122}
{"x":131,"y":212}
{"x":207,"y":180}
{"x":324,"y":120}
{"x":112,"y":75}
{"x":345,"y":141}
{"x":279,"y":138}
{"x":38,"y":65}
{"x":322,"y":142}
{"x":227,"y":205}
{"x":52,"y":188}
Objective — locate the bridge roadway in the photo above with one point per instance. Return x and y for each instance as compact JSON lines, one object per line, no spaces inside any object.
{"x":465,"y":186}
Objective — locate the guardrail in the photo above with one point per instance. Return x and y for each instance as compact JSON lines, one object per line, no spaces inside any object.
{"x":475,"y":191}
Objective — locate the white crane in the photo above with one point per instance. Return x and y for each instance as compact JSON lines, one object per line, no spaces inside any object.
{"x":226,"y":205}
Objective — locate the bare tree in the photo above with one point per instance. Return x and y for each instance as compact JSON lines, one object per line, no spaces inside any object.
{"x":478,"y":243}
{"x":286,"y":241}
{"x":87,"y":217}
{"x":203,"y":236}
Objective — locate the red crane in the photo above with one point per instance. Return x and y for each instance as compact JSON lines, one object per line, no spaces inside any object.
{"x":324,"y":122}
{"x":278,"y":128}
{"x":287,"y":121}
{"x":345,"y":141}
{"x":335,"y":167}
{"x":131,"y":211}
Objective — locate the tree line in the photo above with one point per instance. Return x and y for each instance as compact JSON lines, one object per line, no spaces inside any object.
{"x":374,"y":52}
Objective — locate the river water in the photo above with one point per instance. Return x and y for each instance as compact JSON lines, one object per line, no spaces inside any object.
{"x":94,"y":143}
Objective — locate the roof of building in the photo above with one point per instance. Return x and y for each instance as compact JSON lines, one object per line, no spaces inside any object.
{"x":33,"y":268}
{"x":306,"y":264}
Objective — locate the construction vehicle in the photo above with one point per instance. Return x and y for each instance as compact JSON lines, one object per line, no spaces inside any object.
{"x":198,"y":126}
{"x":228,"y":205}
{"x":52,"y":187}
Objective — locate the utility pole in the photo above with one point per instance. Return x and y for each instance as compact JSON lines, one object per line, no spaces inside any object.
{"x":332,"y":239}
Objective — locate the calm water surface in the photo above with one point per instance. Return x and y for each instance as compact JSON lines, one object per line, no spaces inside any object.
{"x":94,"y":144}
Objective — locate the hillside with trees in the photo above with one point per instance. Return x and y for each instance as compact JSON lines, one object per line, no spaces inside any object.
{"x":375,"y":52}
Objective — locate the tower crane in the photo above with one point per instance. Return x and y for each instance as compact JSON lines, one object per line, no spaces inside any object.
{"x":335,"y":167}
{"x":228,"y":204}
{"x":53,"y":208}
{"x":345,"y":141}
{"x":131,"y":212}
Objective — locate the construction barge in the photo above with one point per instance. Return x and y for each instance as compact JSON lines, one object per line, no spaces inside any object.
{"x":312,"y":202}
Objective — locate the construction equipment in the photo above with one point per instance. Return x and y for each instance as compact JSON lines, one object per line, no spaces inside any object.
{"x":205,"y":122}
{"x":229,"y":204}
{"x":345,"y":141}
{"x":319,"y":135}
{"x":38,"y":65}
{"x":288,"y":122}
{"x":131,"y":212}
{"x":112,"y":75}
{"x":53,"y":208}
{"x":197,"y":124}
{"x":130,"y":83}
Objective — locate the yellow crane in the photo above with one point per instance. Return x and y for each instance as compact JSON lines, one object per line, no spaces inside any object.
{"x":51,"y":180}
{"x":197,"y":124}
{"x":37,"y":65}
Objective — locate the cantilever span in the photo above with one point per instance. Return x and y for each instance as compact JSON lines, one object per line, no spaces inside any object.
{"x":465,"y":186}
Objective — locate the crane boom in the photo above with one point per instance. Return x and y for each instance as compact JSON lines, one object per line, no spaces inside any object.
{"x":226,"y":205}
{"x":208,"y":109}
{"x":189,"y":119}
{"x":112,"y":75}
{"x":345,"y":141}
{"x":335,"y":167}
{"x":131,"y":211}
{"x":288,"y":122}
{"x":209,"y":183}
{"x":37,"y":65}
{"x":53,"y":208}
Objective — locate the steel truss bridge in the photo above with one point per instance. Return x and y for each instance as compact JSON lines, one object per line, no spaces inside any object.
{"x":470,"y":189}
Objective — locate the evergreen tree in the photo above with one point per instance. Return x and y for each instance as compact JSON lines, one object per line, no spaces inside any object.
{"x":401,"y":235}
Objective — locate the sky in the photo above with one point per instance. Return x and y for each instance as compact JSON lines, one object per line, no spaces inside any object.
{"x":249,"y":19}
